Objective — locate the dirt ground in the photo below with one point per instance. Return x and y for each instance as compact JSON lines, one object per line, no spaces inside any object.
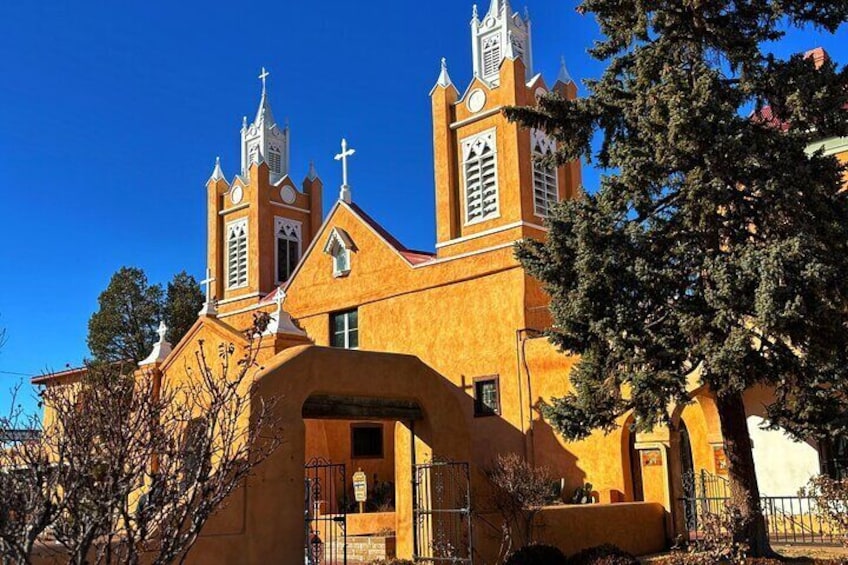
{"x":801,"y":554}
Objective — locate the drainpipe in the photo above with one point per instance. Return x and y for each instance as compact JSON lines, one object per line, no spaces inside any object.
{"x":527,"y":426}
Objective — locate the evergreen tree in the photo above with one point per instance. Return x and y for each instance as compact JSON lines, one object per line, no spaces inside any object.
{"x":124,"y":327}
{"x":716,"y":248}
{"x":183,"y":301}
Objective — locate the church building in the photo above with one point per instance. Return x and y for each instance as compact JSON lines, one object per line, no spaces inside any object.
{"x":419,"y":367}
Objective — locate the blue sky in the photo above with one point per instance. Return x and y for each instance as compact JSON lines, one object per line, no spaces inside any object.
{"x":111,"y":115}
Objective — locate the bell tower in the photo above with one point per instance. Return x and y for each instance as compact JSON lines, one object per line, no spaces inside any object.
{"x":260,"y":223}
{"x":491,"y":187}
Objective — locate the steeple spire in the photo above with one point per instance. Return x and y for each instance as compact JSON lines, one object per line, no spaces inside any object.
{"x":264,"y":140}
{"x":444,"y":78}
{"x":217,"y":173}
{"x":564,"y":77}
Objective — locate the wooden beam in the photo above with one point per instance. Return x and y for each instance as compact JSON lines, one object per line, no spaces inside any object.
{"x":333,"y":407}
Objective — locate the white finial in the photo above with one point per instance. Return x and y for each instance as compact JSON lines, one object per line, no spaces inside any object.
{"x":281,"y":322}
{"x":218,"y":172}
{"x":444,"y":78}
{"x":526,"y":14}
{"x":263,"y":76}
{"x":564,"y":77}
{"x":209,"y":307}
{"x":244,"y":123}
{"x":161,"y":349}
{"x":475,"y":16}
{"x":313,"y":173}
{"x":345,"y":191}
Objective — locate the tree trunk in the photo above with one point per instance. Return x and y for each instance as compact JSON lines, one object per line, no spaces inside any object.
{"x":750,"y":527}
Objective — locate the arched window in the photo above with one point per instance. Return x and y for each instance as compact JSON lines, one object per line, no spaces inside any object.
{"x":480,"y":171}
{"x":237,"y":254}
{"x":195,"y":451}
{"x":288,"y":234}
{"x":545,"y":185}
{"x":338,"y":246}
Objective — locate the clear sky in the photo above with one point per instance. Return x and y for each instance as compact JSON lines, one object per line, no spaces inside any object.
{"x":112,"y":113}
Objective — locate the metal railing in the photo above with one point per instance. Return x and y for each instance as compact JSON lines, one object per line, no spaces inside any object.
{"x":789,"y":519}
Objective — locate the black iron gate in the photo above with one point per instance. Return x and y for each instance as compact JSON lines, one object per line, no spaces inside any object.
{"x":442,"y":513}
{"x":325,"y":513}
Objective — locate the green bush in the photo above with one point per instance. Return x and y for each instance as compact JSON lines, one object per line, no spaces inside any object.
{"x":537,"y":554}
{"x":603,"y":555}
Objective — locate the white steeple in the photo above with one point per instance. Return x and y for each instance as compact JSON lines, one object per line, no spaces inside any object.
{"x":444,"y":78}
{"x":264,"y":140}
{"x":501,"y":33}
{"x":564,"y":77}
{"x":218,"y":172}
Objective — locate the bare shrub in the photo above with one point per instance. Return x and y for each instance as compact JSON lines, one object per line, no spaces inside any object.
{"x":519,"y":491}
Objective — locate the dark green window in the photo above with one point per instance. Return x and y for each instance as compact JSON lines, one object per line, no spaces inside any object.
{"x":344,"y":329}
{"x":486,"y":397}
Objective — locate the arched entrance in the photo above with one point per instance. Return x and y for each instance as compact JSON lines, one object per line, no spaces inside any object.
{"x":687,"y":468}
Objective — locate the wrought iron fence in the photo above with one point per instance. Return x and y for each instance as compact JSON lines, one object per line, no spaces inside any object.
{"x":789,"y":519}
{"x":325,"y":513}
{"x":442,"y":513}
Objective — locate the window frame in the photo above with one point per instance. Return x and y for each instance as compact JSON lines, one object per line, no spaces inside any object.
{"x":296,"y":227}
{"x":347,"y":329}
{"x":464,"y":144}
{"x":354,"y":427}
{"x":275,"y":157}
{"x":230,"y":228}
{"x":480,"y":409}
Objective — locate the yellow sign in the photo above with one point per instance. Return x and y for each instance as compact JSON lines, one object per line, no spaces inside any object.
{"x":360,"y":486}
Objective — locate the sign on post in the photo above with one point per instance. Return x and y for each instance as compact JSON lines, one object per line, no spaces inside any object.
{"x":360,"y":489}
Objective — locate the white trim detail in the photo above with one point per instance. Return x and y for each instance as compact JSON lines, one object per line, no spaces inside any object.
{"x":480,"y":177}
{"x":237,"y":298}
{"x":475,"y":118}
{"x":831,"y":146}
{"x":464,"y":255}
{"x":484,"y":233}
{"x":288,"y":207}
{"x":234,"y":209}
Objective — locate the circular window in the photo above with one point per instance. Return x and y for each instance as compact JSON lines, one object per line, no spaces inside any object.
{"x":288,"y":195}
{"x":236,"y":194}
{"x":476,"y":100}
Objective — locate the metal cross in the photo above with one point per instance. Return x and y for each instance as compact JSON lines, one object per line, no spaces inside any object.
{"x":208,"y":282}
{"x":343,"y":158}
{"x":262,"y":76}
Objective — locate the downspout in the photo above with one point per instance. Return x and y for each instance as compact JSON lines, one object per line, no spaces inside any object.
{"x":521,"y":337}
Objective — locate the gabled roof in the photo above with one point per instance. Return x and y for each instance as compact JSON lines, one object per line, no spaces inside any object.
{"x":411,"y":256}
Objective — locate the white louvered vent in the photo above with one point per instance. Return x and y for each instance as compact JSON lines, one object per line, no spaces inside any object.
{"x":480,"y":168}
{"x":237,"y":254}
{"x":545,"y":185}
{"x":491,"y":56}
